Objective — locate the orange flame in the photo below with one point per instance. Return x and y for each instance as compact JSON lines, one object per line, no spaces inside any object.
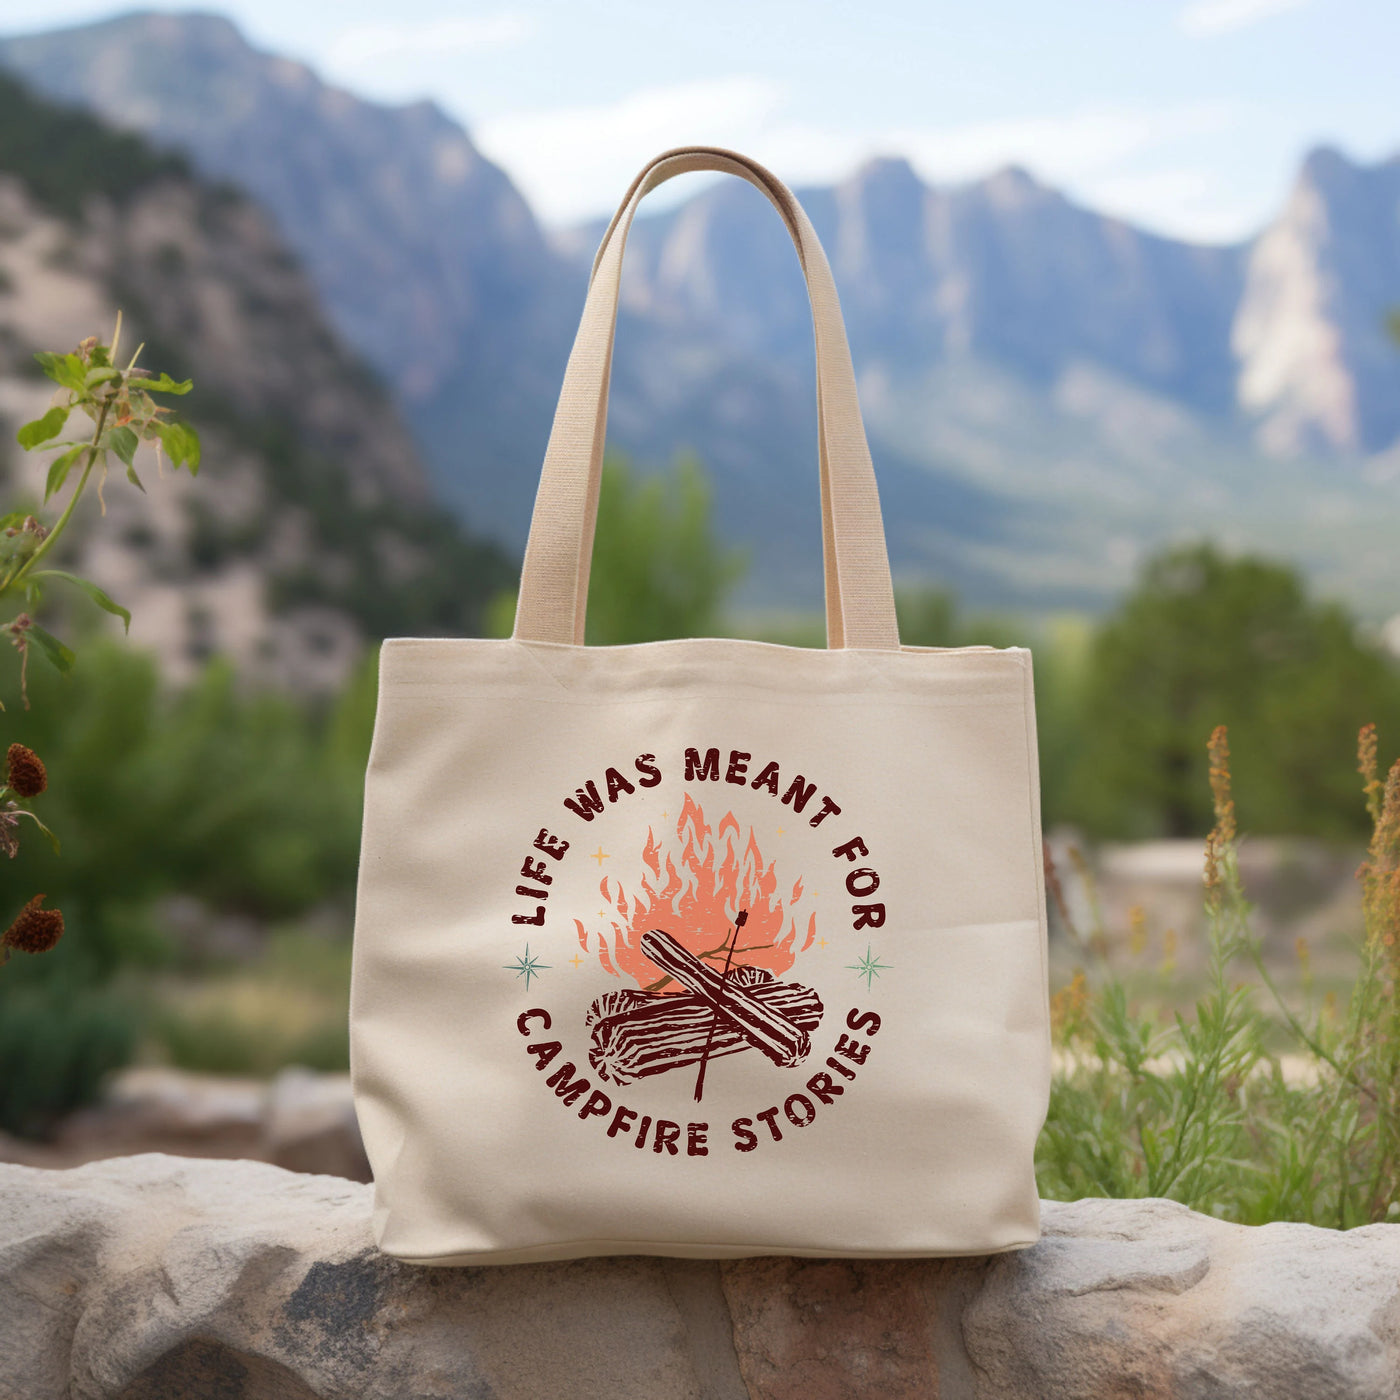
{"x":695,"y":899}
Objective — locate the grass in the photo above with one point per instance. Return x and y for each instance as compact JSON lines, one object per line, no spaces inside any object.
{"x":289,"y":1007}
{"x":1260,"y":1102}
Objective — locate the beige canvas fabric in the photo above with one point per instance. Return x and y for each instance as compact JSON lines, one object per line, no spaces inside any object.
{"x":705,"y":948}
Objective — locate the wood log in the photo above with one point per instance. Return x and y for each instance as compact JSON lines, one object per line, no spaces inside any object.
{"x":784,"y":1043}
{"x":626,"y":998}
{"x":669,"y":1032}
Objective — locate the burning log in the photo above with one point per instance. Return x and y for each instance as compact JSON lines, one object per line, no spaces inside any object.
{"x":636,"y":1035}
{"x":760,"y":1025}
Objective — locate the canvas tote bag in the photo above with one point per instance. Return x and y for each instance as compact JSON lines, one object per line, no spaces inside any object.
{"x":709,"y":947}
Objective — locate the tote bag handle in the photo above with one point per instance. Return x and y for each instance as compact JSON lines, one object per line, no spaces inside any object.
{"x":554,"y":581}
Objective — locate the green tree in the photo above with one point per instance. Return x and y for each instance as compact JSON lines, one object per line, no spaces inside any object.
{"x":659,"y":569}
{"x":1206,"y":640}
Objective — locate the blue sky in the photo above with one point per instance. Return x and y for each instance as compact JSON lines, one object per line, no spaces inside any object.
{"x":1188,"y":116}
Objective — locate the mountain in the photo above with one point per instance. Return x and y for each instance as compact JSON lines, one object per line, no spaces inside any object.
{"x":1316,"y":365}
{"x":1050,"y":392}
{"x":311,"y":526}
{"x":425,"y":256}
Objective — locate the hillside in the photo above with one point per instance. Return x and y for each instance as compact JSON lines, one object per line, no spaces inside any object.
{"x":1050,"y":392}
{"x":311,"y":527}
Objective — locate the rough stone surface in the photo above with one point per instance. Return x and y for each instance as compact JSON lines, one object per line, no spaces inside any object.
{"x":157,"y":1278}
{"x":300,"y":1120}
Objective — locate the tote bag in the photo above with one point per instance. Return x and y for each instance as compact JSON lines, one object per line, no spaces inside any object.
{"x":705,"y":947}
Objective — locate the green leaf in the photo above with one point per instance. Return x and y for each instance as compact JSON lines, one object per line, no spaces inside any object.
{"x":42,"y":429}
{"x":102,"y":600}
{"x":124,"y":443}
{"x":53,"y":839}
{"x":59,"y":469}
{"x":103,"y":374}
{"x":67,"y":370}
{"x":59,"y":656}
{"x":134,"y":479}
{"x":181,"y":444}
{"x":13,"y":520}
{"x":164,"y":384}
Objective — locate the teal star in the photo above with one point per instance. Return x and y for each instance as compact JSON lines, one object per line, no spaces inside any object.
{"x":527,"y":967}
{"x":869,"y":967}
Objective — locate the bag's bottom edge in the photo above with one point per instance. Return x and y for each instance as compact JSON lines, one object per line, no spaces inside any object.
{"x":590,"y":1249}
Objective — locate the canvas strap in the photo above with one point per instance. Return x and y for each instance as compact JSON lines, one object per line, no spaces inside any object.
{"x":554,"y":580}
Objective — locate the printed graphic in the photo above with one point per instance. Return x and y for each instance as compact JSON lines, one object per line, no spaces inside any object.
{"x":701,"y":937}
{"x":706,"y":939}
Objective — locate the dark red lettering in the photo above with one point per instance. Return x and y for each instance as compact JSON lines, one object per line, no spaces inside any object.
{"x":559,"y":1082}
{"x":534,"y":870}
{"x":853,"y":848}
{"x":550,"y":845}
{"x":862,"y":882}
{"x":595,"y":1105}
{"x":622,"y":1120}
{"x":768,"y":1116}
{"x":695,"y":771}
{"x":808,"y":1115}
{"x":852,"y":1049}
{"x":745,"y":1139}
{"x":588,"y":803}
{"x":829,"y":809}
{"x":617,"y":784}
{"x":544,"y":1052}
{"x":535,"y":1013}
{"x":695,"y":1140}
{"x":867,"y":1021}
{"x":799,"y":794}
{"x":536,"y":918}
{"x":844,"y":1070}
{"x":868,"y":916}
{"x":645,"y":764}
{"x":824,"y":1087}
{"x":767,"y":778}
{"x":531,"y":894}
{"x":738,"y":767}
{"x":666,"y":1136}
{"x":642,"y":1131}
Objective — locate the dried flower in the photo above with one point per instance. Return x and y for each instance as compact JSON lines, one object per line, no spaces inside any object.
{"x":1380,"y":874}
{"x":35,"y":930}
{"x":27,"y":776}
{"x":1223,"y":833}
{"x":1137,"y":930}
{"x":1069,"y":1008}
{"x":9,"y":829}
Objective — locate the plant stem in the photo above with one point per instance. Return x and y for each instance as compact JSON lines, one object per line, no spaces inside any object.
{"x":47,"y":543}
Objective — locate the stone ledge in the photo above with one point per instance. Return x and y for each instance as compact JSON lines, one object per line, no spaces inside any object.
{"x":154,"y":1277}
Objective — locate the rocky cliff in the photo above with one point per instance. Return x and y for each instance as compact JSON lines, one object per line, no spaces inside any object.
{"x":311,"y":527}
{"x":1050,"y":392}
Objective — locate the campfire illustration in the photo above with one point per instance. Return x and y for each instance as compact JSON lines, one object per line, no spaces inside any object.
{"x":706,"y":941}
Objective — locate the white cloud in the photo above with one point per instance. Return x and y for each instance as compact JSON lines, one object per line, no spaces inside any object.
{"x":1205,"y":18}
{"x":367,"y":44}
{"x":574,"y":163}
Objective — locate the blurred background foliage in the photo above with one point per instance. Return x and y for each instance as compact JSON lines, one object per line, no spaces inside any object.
{"x":211,"y":832}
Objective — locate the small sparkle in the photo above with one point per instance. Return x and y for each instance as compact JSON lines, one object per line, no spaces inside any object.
{"x":781,"y":830}
{"x":600,"y":855}
{"x":821,"y":943}
{"x":576,"y":960}
{"x":869,"y":967}
{"x":527,"y":966}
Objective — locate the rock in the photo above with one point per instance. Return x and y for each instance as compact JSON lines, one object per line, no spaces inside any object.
{"x":152,"y":1277}
{"x":302,"y":1120}
{"x":309,"y":1125}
